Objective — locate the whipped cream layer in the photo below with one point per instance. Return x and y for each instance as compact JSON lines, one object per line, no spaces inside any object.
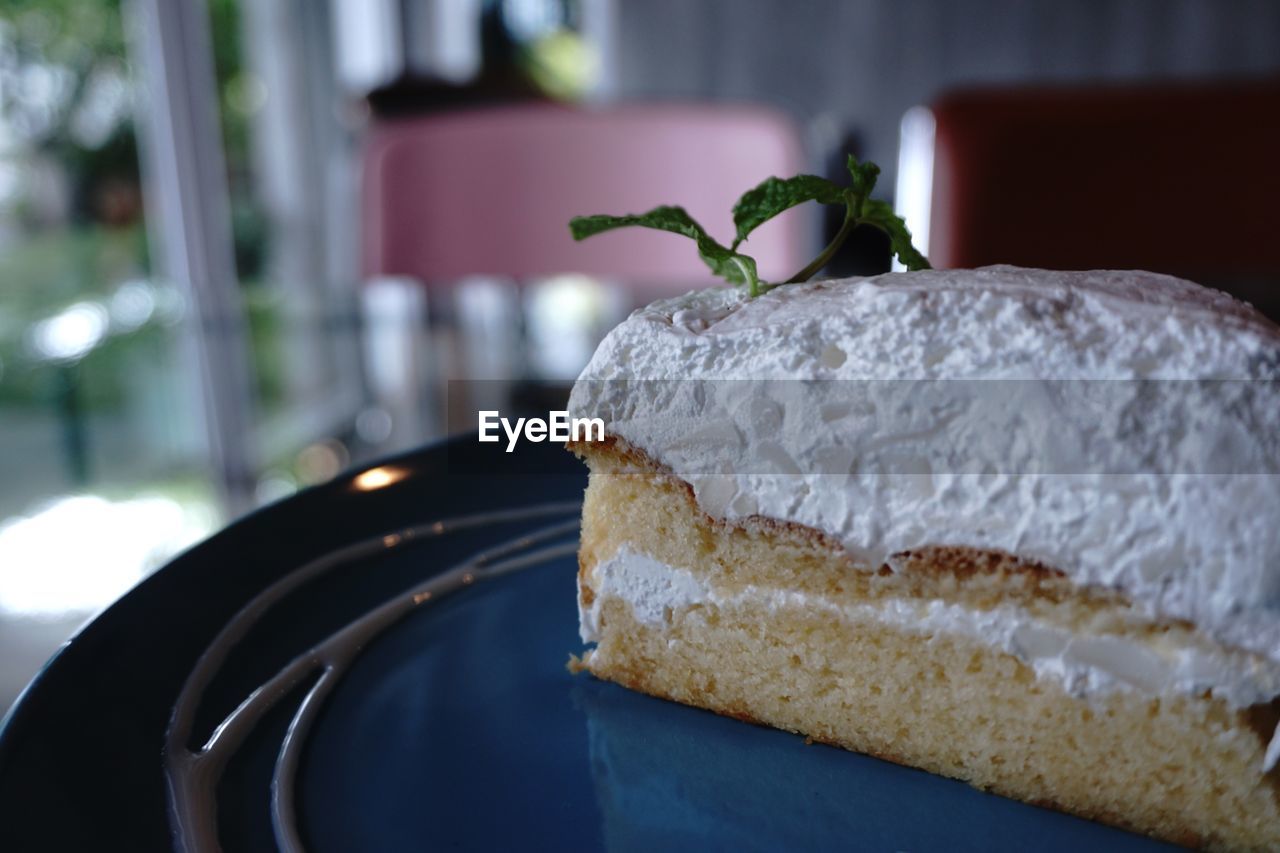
{"x":1173,"y":497}
{"x":1084,"y":664}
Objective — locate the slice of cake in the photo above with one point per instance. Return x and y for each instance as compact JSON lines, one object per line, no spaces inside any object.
{"x":1017,"y":527}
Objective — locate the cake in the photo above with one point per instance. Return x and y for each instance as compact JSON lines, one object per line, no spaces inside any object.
{"x":1015,"y":527}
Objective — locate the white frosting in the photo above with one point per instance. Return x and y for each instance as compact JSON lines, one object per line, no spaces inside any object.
{"x":1083,"y":663}
{"x":1181,"y":528}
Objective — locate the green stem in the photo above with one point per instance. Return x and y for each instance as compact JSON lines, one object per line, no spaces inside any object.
{"x":850,"y":222}
{"x":753,"y":283}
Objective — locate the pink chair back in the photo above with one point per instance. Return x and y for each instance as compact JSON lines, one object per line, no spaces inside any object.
{"x":491,"y":191}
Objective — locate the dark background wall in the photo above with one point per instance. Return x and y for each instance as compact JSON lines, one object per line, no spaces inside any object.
{"x":855,"y":66}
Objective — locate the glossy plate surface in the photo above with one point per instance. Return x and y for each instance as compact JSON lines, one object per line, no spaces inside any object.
{"x":460,"y":727}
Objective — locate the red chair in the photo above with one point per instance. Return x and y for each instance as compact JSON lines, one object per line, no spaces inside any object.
{"x":1181,"y":179}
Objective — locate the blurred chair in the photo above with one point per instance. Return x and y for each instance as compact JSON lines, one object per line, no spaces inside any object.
{"x":1177,"y":178}
{"x":474,"y":205}
{"x":491,"y":191}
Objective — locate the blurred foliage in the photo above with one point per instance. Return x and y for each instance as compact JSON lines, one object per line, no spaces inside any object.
{"x":47,"y":271}
{"x":240,"y":96}
{"x":64,"y":94}
{"x":67,"y":110}
{"x":67,"y":96}
{"x":543,"y":43}
{"x":57,"y":47}
{"x":562,"y":65}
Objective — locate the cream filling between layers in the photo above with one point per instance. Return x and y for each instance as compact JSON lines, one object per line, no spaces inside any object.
{"x":1084,"y":664}
{"x":1131,"y":438}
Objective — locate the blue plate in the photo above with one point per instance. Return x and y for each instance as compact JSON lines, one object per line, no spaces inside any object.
{"x":460,"y":726}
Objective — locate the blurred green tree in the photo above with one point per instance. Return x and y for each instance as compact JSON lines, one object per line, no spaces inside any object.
{"x":67,"y":101}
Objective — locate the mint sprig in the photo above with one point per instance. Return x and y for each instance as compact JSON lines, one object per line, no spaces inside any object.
{"x":724,"y":262}
{"x":765,"y":201}
{"x":774,"y":195}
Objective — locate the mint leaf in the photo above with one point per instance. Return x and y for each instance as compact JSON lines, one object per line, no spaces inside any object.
{"x":723,"y":261}
{"x":765,"y":201}
{"x":864,"y":177}
{"x":728,"y":264}
{"x":666,"y":218}
{"x":774,"y":195}
{"x":881,"y":215}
